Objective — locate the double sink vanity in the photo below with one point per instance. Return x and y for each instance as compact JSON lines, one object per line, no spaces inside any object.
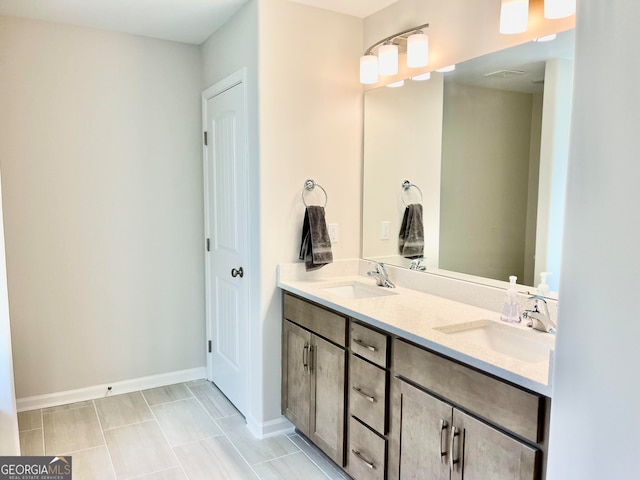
{"x":417,"y":381}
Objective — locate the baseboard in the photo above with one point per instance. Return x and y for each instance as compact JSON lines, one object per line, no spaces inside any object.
{"x":269,"y":429}
{"x":100,"y":391}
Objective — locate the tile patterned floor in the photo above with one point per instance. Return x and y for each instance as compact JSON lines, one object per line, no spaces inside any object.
{"x":184,"y":431}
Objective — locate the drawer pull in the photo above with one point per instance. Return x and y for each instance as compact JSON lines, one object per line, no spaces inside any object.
{"x":362,"y":344}
{"x":363,"y":460}
{"x":360,"y":392}
{"x":305,"y":357}
{"x":443,"y":428}
{"x":452,"y":439}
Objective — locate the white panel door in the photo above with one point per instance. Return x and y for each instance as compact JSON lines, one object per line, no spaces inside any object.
{"x":226,"y":211}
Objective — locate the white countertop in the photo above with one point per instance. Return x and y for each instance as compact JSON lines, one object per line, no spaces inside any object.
{"x":414,"y":315}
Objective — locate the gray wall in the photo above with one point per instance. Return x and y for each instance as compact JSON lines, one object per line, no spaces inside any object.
{"x":485,"y":178}
{"x":595,"y":417}
{"x":102,"y":193}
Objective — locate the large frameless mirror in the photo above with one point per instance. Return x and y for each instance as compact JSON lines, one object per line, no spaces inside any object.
{"x":485,"y":149}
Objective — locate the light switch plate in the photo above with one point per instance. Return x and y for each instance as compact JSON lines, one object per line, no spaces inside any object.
{"x":385,"y":227}
{"x":333,"y":232}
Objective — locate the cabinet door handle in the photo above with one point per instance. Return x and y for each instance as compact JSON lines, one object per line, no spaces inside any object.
{"x":311,"y":359}
{"x":360,"y":392}
{"x":452,"y":461}
{"x":443,"y":428}
{"x":362,"y":344}
{"x":305,"y":357}
{"x":363,"y":460}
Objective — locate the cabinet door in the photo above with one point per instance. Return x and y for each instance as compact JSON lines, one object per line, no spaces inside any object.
{"x":484,"y":453}
{"x":296,"y":375}
{"x":327,"y":364}
{"x":425,"y":423}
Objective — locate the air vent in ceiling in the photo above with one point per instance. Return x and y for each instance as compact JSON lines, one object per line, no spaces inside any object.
{"x":505,"y":73}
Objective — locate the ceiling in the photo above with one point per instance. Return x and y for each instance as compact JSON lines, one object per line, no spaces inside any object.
{"x":188,"y":21}
{"x":527,"y":59}
{"x":356,"y":8}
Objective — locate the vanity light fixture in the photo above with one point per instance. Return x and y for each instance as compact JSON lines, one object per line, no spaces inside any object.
{"x":514,"y":16}
{"x":368,"y":69}
{"x":386,"y":60}
{"x":417,"y":50}
{"x":399,"y":83}
{"x":448,"y":68}
{"x":554,"y":9}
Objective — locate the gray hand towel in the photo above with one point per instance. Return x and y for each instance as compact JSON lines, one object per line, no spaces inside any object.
{"x":411,"y":238}
{"x":315,"y":248}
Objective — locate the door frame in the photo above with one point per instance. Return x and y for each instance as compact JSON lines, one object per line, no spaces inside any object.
{"x":239,"y":77}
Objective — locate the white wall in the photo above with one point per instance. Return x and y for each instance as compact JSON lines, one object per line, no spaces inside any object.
{"x":402,"y":141}
{"x":310,"y":127}
{"x":102,"y":187}
{"x":232,"y":47}
{"x":307,"y":114}
{"x":595,"y":417}
{"x":9,"y":440}
{"x":554,"y":157}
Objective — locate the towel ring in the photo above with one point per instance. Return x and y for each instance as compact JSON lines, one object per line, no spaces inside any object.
{"x":406,"y":185}
{"x":309,"y":185}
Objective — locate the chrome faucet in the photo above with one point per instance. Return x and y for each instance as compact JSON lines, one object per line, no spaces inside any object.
{"x":417,"y":265}
{"x":380,"y":275}
{"x":539,"y":320}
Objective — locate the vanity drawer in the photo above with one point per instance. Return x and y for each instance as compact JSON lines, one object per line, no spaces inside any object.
{"x":369,"y":344}
{"x":505,"y":405}
{"x":367,"y":453}
{"x":325,"y":323}
{"x":367,"y":393}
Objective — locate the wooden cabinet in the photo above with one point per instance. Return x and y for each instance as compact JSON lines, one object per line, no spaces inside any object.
{"x":400,"y":411}
{"x":454,"y":422}
{"x":368,"y":403}
{"x":367,"y":453}
{"x":424,"y":423}
{"x":369,"y":344}
{"x":441,"y":442}
{"x":313,"y":378}
{"x":296,"y":378}
{"x":368,"y":393}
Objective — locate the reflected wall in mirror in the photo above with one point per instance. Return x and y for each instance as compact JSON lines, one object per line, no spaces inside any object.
{"x":488,"y":145}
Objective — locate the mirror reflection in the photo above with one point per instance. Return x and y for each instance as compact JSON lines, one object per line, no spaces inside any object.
{"x":486,"y":147}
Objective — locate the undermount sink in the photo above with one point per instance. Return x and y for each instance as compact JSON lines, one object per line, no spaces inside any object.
{"x":528,"y":346}
{"x":356,"y":290}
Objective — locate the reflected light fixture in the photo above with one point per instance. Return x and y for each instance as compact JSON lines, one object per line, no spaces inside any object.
{"x":385,"y":60}
{"x":448,"y":68}
{"x":554,"y":9}
{"x":546,"y":38}
{"x":422,"y":77}
{"x":399,"y":83}
{"x":514,"y":16}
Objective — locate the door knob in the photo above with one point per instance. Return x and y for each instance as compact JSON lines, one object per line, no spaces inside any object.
{"x":237,"y":272}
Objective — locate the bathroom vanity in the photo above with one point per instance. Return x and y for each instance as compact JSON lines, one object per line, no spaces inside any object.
{"x":388,"y":384}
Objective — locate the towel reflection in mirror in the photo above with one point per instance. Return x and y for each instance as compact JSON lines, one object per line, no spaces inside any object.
{"x":411,"y":236}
